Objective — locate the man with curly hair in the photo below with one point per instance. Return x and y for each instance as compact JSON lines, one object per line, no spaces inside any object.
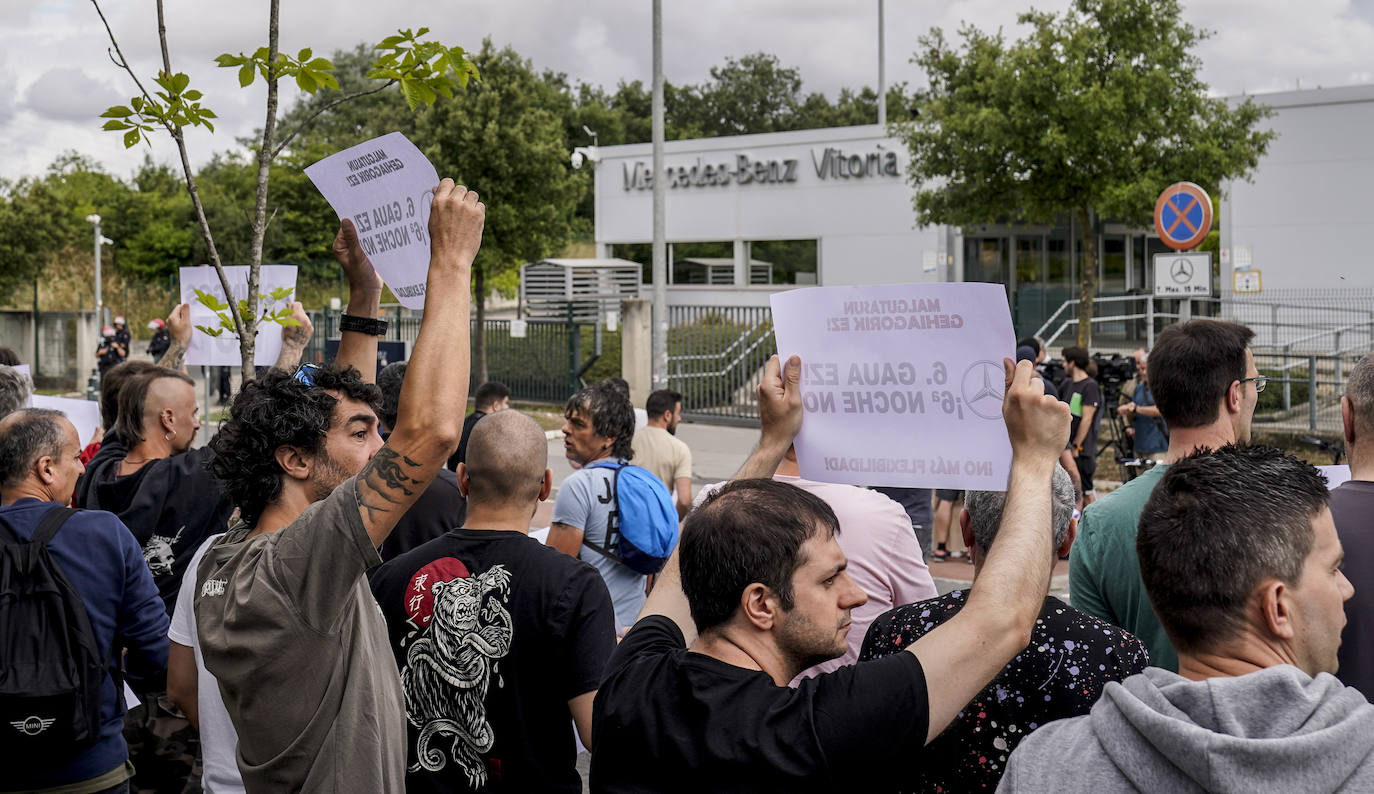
{"x":286,"y":622}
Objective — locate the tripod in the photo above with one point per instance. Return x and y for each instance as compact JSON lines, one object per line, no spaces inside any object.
{"x":1121,"y":443}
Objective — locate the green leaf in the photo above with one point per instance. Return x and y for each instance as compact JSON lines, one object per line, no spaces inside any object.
{"x":131,"y":138}
{"x":137,"y":104}
{"x":280,"y":293}
{"x":193,"y":95}
{"x":208,"y":126}
{"x":117,"y":112}
{"x":116,"y":124}
{"x":410,"y":89}
{"x":210,"y":301}
{"x":210,"y":331}
{"x":327,"y":80}
{"x":390,"y":42}
{"x":207,"y":113}
{"x":261,"y":54}
{"x":179,"y":82}
{"x":321,"y":64}
{"x":306,"y":82}
{"x":290,"y":322}
{"x":304,"y":55}
{"x":229,"y":60}
{"x":246,"y":75}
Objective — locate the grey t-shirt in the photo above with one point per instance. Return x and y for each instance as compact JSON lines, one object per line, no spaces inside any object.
{"x":584,"y":502}
{"x":290,"y":629}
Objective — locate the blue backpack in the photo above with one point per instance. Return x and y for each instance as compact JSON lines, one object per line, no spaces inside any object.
{"x":641,"y":530}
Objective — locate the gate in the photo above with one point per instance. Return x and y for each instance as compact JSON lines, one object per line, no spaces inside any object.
{"x":716,"y":356}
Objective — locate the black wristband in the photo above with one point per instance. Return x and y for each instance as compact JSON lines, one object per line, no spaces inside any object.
{"x":363,"y":325}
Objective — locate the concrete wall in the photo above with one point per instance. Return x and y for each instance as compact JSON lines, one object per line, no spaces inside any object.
{"x":1306,"y":218}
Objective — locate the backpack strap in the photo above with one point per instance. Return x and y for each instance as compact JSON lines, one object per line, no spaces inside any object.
{"x":53,"y":521}
{"x":47,"y":527}
{"x":612,"y":518}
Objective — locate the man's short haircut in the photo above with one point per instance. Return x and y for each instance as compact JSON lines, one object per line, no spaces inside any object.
{"x":661,"y":401}
{"x":14,"y":390}
{"x":1030,"y":342}
{"x":133,"y":401}
{"x":110,"y":384}
{"x":270,"y":412}
{"x":610,"y":413}
{"x":1192,"y":366}
{"x":748,"y":531}
{"x":489,"y":394}
{"x":389,"y":380}
{"x":985,"y":511}
{"x":1359,"y":389}
{"x":1078,"y":356}
{"x":1218,"y":524}
{"x":8,"y":357}
{"x":31,"y":434}
{"x":506,"y":460}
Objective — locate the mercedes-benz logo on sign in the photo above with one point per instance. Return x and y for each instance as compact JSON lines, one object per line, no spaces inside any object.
{"x":983,"y":386}
{"x":1182,"y":271}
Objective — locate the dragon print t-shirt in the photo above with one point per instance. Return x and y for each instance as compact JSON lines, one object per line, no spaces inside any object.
{"x":493,"y":633}
{"x":1070,"y":659}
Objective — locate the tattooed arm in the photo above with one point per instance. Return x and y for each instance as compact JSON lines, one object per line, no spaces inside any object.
{"x":294,"y":338}
{"x":179,"y":327}
{"x":427,"y":426}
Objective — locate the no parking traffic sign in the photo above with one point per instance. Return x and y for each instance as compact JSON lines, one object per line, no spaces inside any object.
{"x":1183,"y":215}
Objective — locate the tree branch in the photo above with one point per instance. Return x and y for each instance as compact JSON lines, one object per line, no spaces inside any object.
{"x":175,"y":132}
{"x":304,"y":125}
{"x":269,"y":128}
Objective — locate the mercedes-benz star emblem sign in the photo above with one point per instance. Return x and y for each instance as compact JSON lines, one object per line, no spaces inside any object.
{"x":983,"y":387}
{"x":1182,"y":271}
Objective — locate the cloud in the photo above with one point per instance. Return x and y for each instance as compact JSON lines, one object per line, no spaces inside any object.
{"x":68,"y":94}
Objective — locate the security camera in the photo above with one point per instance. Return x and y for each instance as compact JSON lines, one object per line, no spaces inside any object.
{"x":577,"y":159}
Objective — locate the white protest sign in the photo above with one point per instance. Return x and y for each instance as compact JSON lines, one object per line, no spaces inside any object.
{"x":23,"y":369}
{"x":1335,"y":475}
{"x":276,"y":291}
{"x":385,"y":185}
{"x":901,"y":383}
{"x":85,"y":414}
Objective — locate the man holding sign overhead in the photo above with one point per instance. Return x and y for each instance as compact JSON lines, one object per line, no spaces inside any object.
{"x":285,"y":619}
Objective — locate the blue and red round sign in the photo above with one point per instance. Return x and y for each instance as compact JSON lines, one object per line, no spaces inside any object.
{"x":1183,"y":216}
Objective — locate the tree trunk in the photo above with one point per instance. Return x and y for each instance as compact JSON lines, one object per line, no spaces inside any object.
{"x":269,"y":127}
{"x":1088,"y":281}
{"x":479,"y":337}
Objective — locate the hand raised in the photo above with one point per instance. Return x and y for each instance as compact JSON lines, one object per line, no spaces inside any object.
{"x":299,"y":334}
{"x":456,"y":219}
{"x":179,"y":325}
{"x":780,"y":402}
{"x":356,"y":266}
{"x":1037,"y":423}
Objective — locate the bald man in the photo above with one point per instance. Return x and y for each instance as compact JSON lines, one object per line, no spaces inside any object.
{"x":500,"y":640}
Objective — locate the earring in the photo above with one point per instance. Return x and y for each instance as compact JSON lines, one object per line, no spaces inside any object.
{"x":169,"y":436}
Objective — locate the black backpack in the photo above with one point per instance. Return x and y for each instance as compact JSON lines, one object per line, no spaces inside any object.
{"x":51,"y":671}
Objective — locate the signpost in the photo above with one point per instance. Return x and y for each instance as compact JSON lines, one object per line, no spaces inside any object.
{"x":1183,"y":217}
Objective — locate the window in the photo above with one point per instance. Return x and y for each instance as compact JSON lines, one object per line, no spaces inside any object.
{"x":783,"y":262}
{"x":702,"y":263}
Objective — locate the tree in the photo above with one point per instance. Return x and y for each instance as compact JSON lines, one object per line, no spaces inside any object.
{"x":35,"y":227}
{"x":505,"y":139}
{"x":423,"y":70}
{"x":1092,"y":114}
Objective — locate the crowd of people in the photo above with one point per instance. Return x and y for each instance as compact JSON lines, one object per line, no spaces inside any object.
{"x":340,"y":592}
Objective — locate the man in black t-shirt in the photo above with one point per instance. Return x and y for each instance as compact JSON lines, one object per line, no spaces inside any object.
{"x":759,"y":573}
{"x":491,"y":397}
{"x":500,"y":639}
{"x":1084,"y":397}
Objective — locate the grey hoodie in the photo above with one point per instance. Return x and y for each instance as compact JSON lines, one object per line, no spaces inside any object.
{"x":1275,"y":730}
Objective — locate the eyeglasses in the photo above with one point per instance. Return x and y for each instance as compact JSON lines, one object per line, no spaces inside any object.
{"x":1260,"y":382}
{"x":306,"y":374}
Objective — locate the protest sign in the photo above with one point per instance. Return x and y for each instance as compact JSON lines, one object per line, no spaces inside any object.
{"x":385,"y":186}
{"x":85,"y":414}
{"x":902,"y":384}
{"x":276,"y":291}
{"x":1335,"y":475}
{"x":23,"y":369}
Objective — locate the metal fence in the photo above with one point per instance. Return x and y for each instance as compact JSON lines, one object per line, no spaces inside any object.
{"x":1304,"y":390}
{"x":541,"y":366}
{"x":715,"y":359}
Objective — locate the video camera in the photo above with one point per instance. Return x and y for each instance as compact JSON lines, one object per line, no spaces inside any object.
{"x":1113,"y":371}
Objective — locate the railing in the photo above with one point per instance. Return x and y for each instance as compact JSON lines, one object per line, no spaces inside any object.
{"x":715,"y":355}
{"x":1149,"y":314}
{"x":1309,"y":389}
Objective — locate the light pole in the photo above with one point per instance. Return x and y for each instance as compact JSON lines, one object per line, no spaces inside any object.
{"x":93,"y":384}
{"x":659,"y":334}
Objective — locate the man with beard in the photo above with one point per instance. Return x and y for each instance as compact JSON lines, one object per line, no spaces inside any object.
{"x":285,"y":619}
{"x":658,"y":449}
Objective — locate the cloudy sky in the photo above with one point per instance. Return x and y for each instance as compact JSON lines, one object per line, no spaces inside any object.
{"x":56,"y":76}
